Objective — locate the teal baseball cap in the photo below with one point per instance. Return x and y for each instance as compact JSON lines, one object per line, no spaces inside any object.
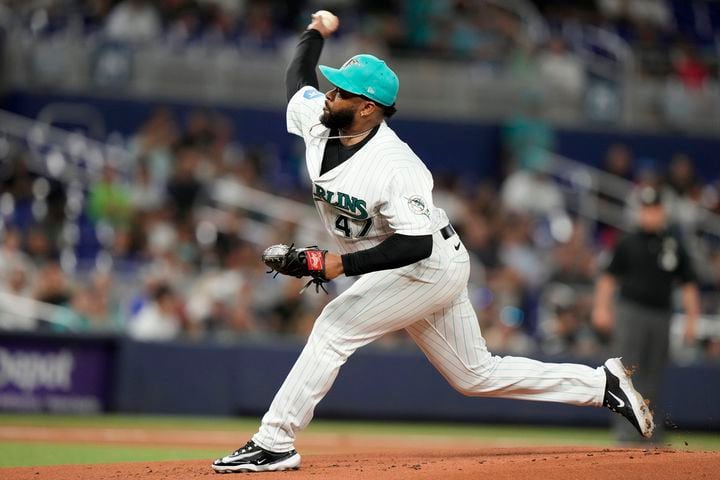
{"x":365,"y":75}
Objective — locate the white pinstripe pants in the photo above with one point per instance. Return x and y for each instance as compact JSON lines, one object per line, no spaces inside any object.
{"x":428,"y":299}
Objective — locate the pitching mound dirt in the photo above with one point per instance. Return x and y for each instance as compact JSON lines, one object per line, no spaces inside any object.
{"x":347,"y":457}
{"x":496,"y":464}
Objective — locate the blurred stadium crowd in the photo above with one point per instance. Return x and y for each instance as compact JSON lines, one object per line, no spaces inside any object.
{"x":149,"y":251}
{"x":668,"y":37}
{"x":152,"y":253}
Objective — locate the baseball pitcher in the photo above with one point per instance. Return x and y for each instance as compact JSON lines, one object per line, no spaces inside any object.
{"x":374,"y":196}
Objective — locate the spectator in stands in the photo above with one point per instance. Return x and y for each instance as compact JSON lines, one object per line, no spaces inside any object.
{"x":648,"y":173}
{"x":17,"y":181}
{"x":419,"y":19}
{"x":657,"y":13}
{"x":565,"y":319}
{"x":652,"y":53}
{"x":573,"y":261}
{"x":162,"y":252}
{"x":133,"y":21}
{"x":560,"y":69}
{"x":681,"y":178}
{"x":221,"y":19}
{"x":55,"y":199}
{"x":110,"y":201}
{"x":153,"y":144}
{"x":184,"y":189}
{"x":683,"y":194}
{"x":12,"y":257}
{"x":689,"y":67}
{"x":527,"y":138}
{"x":286,"y":313}
{"x":107,"y":312}
{"x":199,"y":130}
{"x":223,"y":150}
{"x":528,"y":142}
{"x":531,"y":193}
{"x":16,"y":281}
{"x":508,"y":335}
{"x":125,"y":249}
{"x":159,"y":319}
{"x":144,"y":193}
{"x":681,"y":101}
{"x":95,"y":12}
{"x":184,"y":20}
{"x":518,"y":252}
{"x":259,"y":28}
{"x":447,"y":194}
{"x":234,"y":176}
{"x":564,"y":327}
{"x":480,"y":238}
{"x":40,"y":244}
{"x":521,"y":272}
{"x":76,"y":316}
{"x":618,"y":163}
{"x":475,"y":33}
{"x":219,"y":300}
{"x":52,"y":284}
{"x":14,"y":285}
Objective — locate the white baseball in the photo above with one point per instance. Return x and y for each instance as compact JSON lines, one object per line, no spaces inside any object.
{"x":328,"y":19}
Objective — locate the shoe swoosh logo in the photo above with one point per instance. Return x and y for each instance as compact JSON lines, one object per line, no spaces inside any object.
{"x":621,"y":404}
{"x":241,"y":456}
{"x":457,"y":247}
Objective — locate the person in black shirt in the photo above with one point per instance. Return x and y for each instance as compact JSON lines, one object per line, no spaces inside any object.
{"x":646,"y":265}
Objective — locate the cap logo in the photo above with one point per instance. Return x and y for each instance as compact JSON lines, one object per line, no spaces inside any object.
{"x":352,"y":61}
{"x":370,"y":90}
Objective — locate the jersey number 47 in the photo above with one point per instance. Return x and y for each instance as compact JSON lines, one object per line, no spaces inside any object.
{"x":348,"y":226}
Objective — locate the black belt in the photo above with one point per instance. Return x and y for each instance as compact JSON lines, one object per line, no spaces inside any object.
{"x":447,"y":231}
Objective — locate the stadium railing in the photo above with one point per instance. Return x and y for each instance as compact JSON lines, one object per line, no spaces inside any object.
{"x":22,"y":313}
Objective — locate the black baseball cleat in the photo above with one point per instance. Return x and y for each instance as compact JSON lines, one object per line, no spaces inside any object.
{"x":621,"y":397}
{"x":252,"y":458}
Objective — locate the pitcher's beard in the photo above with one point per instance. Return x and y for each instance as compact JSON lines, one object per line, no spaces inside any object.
{"x":338,"y":120}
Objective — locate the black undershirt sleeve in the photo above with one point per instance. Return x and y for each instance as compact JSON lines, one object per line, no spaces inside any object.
{"x":395,"y":252}
{"x":301,"y":70}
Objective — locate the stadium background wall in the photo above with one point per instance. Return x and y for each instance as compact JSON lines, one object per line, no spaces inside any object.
{"x":240,"y":379}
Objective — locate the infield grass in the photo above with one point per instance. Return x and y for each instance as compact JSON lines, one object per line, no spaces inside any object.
{"x":36,"y":453}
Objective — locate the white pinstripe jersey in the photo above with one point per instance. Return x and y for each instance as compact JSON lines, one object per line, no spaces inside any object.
{"x":384,"y":188}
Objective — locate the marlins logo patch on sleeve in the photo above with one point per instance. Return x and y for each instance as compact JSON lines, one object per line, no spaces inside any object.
{"x":418,"y":206}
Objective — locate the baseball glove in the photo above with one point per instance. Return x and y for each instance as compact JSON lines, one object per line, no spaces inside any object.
{"x":297,"y":262}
